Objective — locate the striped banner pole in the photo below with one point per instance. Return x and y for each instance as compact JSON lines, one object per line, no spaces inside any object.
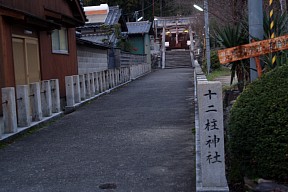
{"x":272,"y":27}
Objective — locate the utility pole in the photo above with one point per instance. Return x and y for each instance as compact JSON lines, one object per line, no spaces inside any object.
{"x":207,"y":38}
{"x":255,"y":9}
{"x":143,"y":9}
{"x":160,"y":7}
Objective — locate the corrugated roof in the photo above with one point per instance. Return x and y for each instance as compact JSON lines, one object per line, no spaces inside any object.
{"x":138,"y":27}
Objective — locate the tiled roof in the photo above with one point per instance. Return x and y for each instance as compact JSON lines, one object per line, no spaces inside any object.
{"x":138,"y":27}
{"x":113,"y":15}
{"x":97,"y":38}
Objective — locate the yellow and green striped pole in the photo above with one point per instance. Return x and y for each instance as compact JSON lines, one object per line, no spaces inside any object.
{"x":272,"y":27}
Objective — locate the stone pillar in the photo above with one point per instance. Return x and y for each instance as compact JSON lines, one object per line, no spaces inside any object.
{"x":108,"y":79}
{"x":23,"y":105}
{"x":96,"y":81}
{"x":211,"y":129}
{"x":87,"y":85}
{"x":116,"y":76}
{"x":70,"y":102}
{"x":82,"y":87}
{"x":46,"y":100}
{"x":131,"y":68}
{"x":9,"y":110}
{"x":76,"y":87}
{"x":35,"y":102}
{"x":121,"y":75}
{"x":113,"y":78}
{"x":100,"y":74}
{"x":127,"y":74}
{"x":55,"y":95}
{"x":92,"y":84}
{"x":104,"y":80}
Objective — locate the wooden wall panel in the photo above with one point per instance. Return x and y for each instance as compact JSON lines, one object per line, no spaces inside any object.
{"x":6,"y":58}
{"x":36,"y":7}
{"x":58,"y":65}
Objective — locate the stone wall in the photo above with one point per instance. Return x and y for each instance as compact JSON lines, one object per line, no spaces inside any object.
{"x":91,"y":59}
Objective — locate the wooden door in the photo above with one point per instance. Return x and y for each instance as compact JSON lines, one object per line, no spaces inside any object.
{"x":19,"y":61}
{"x":26,"y":60}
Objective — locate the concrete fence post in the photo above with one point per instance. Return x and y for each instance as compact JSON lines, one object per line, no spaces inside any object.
{"x":131,"y":72}
{"x":127,"y":74}
{"x":96,"y":81}
{"x":107,"y":79}
{"x":76,"y":86}
{"x":120,"y":75}
{"x":87,"y":85}
{"x":55,"y":95}
{"x":117,"y":76}
{"x":104,"y":80}
{"x":113,"y":78}
{"x":9,"y":110}
{"x":100,"y":76}
{"x":35,"y":101}
{"x":110,"y":78}
{"x":92,"y":84}
{"x":82,"y":87}
{"x":46,"y":100}
{"x":70,"y":102}
{"x":23,"y":105}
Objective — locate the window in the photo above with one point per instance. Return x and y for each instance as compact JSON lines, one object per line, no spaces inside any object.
{"x":59,"y":41}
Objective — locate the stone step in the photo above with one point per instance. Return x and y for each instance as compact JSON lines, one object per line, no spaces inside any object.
{"x":178,"y":59}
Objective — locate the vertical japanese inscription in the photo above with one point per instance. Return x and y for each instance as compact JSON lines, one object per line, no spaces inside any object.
{"x":211,"y":134}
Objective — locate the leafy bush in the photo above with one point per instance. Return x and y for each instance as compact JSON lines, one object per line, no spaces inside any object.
{"x":258,"y":128}
{"x":214,"y":60}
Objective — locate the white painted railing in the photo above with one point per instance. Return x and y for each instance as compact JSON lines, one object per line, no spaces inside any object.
{"x":28,"y":105}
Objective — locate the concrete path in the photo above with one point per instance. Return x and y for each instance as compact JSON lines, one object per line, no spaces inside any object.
{"x":138,"y":138}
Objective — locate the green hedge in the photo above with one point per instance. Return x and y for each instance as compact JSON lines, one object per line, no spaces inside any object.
{"x":258,"y":128}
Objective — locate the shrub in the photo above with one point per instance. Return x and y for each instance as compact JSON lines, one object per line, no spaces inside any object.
{"x":215,"y":64}
{"x":258,"y":128}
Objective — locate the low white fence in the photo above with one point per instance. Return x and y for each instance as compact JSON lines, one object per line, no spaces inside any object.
{"x":80,"y":88}
{"x":28,"y":105}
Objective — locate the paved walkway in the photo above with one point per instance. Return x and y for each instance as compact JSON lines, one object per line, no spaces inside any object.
{"x":138,"y":138}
